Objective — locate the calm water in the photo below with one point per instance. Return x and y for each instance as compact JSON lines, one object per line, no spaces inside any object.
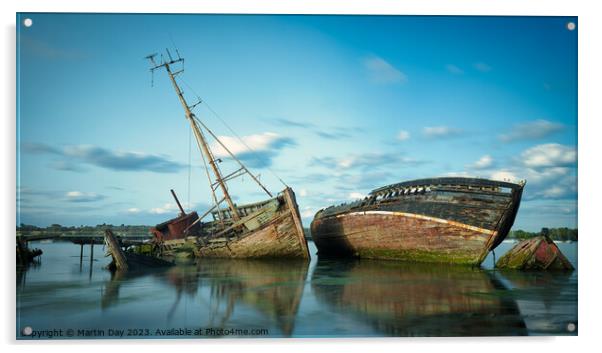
{"x":325,"y":298}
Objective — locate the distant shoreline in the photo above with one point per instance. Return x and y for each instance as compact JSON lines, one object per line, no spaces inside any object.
{"x":556,"y":234}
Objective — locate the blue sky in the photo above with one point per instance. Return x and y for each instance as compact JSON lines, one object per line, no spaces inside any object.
{"x":334,"y":105}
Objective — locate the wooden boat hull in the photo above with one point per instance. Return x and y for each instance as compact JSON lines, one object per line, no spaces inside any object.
{"x":280,"y":237}
{"x":539,"y":253}
{"x":445,"y":224}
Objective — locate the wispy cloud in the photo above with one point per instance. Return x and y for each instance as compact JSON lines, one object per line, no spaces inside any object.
{"x":364,"y":160}
{"x":104,"y":158}
{"x":382,"y":72}
{"x":403,"y":135}
{"x":531,"y":130}
{"x":483,"y":163}
{"x":257,"y":151}
{"x":79,"y":196}
{"x":48,"y":51}
{"x":441,"y":131}
{"x":293,"y":123}
{"x":453,"y":69}
{"x":482,"y":67}
{"x":331,"y":133}
{"x":169,"y":208}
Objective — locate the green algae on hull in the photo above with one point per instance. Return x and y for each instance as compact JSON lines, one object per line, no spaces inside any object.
{"x":539,"y":253}
{"x":421,"y":256}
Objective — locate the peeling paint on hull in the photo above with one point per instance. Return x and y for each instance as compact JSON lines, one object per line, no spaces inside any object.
{"x":445,"y":224}
{"x":282,"y":237}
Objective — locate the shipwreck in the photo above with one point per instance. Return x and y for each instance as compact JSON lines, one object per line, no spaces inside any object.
{"x":449,"y":220}
{"x":266,"y":229}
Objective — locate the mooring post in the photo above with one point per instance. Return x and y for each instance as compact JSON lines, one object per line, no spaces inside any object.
{"x":91,"y":255}
{"x":91,"y":250}
{"x":81,"y":252}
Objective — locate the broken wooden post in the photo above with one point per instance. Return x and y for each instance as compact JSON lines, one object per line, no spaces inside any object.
{"x":539,"y":253}
{"x":115,"y":251}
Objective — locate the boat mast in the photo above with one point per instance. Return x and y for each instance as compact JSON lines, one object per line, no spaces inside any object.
{"x":201,"y":141}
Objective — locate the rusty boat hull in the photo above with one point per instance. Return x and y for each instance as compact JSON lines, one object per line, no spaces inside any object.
{"x":447,"y":220}
{"x":270,"y":229}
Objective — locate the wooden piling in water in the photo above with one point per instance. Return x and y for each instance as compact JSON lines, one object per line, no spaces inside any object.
{"x":91,"y":251}
{"x":115,"y":250}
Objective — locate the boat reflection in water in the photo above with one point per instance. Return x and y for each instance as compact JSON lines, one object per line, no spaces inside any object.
{"x":547,"y":300}
{"x":268,"y":290}
{"x":401,"y":299}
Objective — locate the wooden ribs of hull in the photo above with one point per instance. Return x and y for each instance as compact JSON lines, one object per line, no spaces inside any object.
{"x":401,"y":236}
{"x":281,"y":237}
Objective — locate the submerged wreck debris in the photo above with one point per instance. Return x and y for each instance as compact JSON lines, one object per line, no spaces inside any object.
{"x":125,"y":260}
{"x":539,"y":253}
{"x":448,"y":220}
{"x":25,"y":255}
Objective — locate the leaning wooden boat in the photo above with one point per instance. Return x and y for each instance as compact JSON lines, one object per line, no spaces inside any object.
{"x":450,"y":220}
{"x":266,"y":229}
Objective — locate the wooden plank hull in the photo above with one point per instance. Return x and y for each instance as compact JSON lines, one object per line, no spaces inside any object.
{"x":538,"y":253}
{"x":449,"y":223}
{"x":281,"y":237}
{"x":399,"y":236}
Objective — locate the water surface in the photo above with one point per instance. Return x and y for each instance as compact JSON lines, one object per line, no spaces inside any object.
{"x":65,"y":298}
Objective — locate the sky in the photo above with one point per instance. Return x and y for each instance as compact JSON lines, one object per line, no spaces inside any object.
{"x":334,"y":106}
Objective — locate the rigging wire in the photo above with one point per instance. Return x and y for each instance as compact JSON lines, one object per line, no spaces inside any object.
{"x":228,"y":127}
{"x":189,"y":161}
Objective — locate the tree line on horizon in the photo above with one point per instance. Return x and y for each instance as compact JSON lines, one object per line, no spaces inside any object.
{"x":560,"y":234}
{"x":57,"y":229}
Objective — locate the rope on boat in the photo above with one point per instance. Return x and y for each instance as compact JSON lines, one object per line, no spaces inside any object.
{"x":228,"y":127}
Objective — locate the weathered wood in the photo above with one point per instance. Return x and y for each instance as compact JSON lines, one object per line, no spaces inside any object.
{"x":281,"y":237}
{"x":115,"y":251}
{"x":414,"y":221}
{"x":539,"y":253}
{"x":291,"y":201}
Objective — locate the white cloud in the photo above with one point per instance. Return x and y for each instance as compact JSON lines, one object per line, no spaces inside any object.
{"x":504,"y":175}
{"x":167,"y":208}
{"x":483,"y":163}
{"x":134,"y":210}
{"x":356,"y":196}
{"x":549,"y":155}
{"x":257,"y":150}
{"x":257,"y":142}
{"x":303,"y":192}
{"x":403,"y":135}
{"x":481,"y":66}
{"x":307,"y":212}
{"x":440,"y":131}
{"x":79,"y":196}
{"x":531,"y":130}
{"x":382,"y":72}
{"x":542,"y":183}
{"x":451,"y":68}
